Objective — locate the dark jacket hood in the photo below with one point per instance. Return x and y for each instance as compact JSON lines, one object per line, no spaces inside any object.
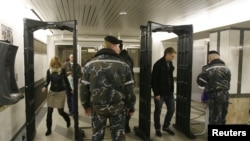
{"x":107,"y":51}
{"x":217,"y":61}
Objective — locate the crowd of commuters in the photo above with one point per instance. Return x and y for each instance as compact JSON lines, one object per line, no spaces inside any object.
{"x":107,"y":89}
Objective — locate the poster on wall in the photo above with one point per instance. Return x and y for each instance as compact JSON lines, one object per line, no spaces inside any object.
{"x":6,"y":34}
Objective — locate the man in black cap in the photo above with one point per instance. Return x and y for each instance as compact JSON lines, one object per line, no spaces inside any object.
{"x":125,"y":56}
{"x":216,"y":77}
{"x":107,"y":85}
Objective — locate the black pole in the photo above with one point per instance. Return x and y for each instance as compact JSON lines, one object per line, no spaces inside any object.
{"x":29,"y":81}
{"x":75,"y":92}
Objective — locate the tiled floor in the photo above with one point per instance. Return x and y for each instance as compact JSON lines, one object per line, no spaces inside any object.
{"x":61,"y":133}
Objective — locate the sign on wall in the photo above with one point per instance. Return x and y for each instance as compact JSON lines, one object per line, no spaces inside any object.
{"x":6,"y":33}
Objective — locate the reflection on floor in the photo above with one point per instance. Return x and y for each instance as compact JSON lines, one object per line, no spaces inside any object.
{"x":61,"y":133}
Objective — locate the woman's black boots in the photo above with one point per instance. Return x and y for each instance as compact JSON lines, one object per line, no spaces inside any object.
{"x":49,"y":124}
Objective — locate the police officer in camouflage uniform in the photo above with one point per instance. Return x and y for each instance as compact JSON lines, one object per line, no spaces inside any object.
{"x":106,"y":87}
{"x":216,"y":77}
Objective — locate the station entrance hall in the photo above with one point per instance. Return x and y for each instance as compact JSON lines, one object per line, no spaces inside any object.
{"x":40,"y":30}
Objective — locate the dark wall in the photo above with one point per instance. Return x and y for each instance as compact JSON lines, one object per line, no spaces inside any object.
{"x":39,"y":96}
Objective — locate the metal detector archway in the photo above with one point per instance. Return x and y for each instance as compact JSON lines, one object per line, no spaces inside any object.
{"x":184,"y":77}
{"x":29,"y":27}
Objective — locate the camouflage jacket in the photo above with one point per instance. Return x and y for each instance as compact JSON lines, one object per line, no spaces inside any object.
{"x":215,"y":76}
{"x":107,"y":81}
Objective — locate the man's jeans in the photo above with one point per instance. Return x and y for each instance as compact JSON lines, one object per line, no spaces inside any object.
{"x":170,"y":103}
{"x":70,"y":102}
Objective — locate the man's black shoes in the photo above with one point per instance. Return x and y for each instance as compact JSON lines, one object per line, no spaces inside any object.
{"x":127,"y":129}
{"x":158,"y":133}
{"x":170,"y":132}
{"x":48,"y":132}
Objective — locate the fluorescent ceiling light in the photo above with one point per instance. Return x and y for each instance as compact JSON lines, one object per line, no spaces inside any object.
{"x":123,"y":13}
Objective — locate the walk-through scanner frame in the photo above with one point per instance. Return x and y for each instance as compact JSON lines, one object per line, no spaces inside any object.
{"x":184,"y":77}
{"x":29,"y":27}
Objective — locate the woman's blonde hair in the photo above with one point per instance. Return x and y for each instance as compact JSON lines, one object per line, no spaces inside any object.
{"x":55,"y":61}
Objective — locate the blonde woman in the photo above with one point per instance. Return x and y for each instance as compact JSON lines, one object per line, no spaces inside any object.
{"x":57,"y":78}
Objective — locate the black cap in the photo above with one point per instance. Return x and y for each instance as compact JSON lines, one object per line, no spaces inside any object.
{"x":121,"y":44}
{"x":112,"y":39}
{"x":120,"y":41}
{"x":213,"y":52}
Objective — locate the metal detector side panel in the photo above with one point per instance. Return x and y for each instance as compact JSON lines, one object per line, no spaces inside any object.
{"x":184,"y":80}
{"x":143,"y":130}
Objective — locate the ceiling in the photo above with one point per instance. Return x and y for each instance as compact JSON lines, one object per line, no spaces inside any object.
{"x":101,"y":17}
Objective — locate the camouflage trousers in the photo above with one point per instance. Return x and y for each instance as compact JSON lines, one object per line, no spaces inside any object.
{"x":218,"y":105}
{"x":116,"y":121}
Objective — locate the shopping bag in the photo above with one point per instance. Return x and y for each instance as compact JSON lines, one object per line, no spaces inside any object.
{"x":204,"y":96}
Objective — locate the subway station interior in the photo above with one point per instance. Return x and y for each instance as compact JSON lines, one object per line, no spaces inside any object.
{"x":38,"y":30}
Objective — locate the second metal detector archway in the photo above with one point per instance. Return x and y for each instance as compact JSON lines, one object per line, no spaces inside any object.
{"x":29,"y":27}
{"x":184,"y":77}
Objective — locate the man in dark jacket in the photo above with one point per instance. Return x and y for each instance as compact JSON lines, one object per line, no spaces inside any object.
{"x":163,"y":88}
{"x":125,"y":56}
{"x":216,"y":77}
{"x":106,"y":86}
{"x":68,"y":66}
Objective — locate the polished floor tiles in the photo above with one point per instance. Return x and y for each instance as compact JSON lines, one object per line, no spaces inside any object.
{"x":61,"y":133}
